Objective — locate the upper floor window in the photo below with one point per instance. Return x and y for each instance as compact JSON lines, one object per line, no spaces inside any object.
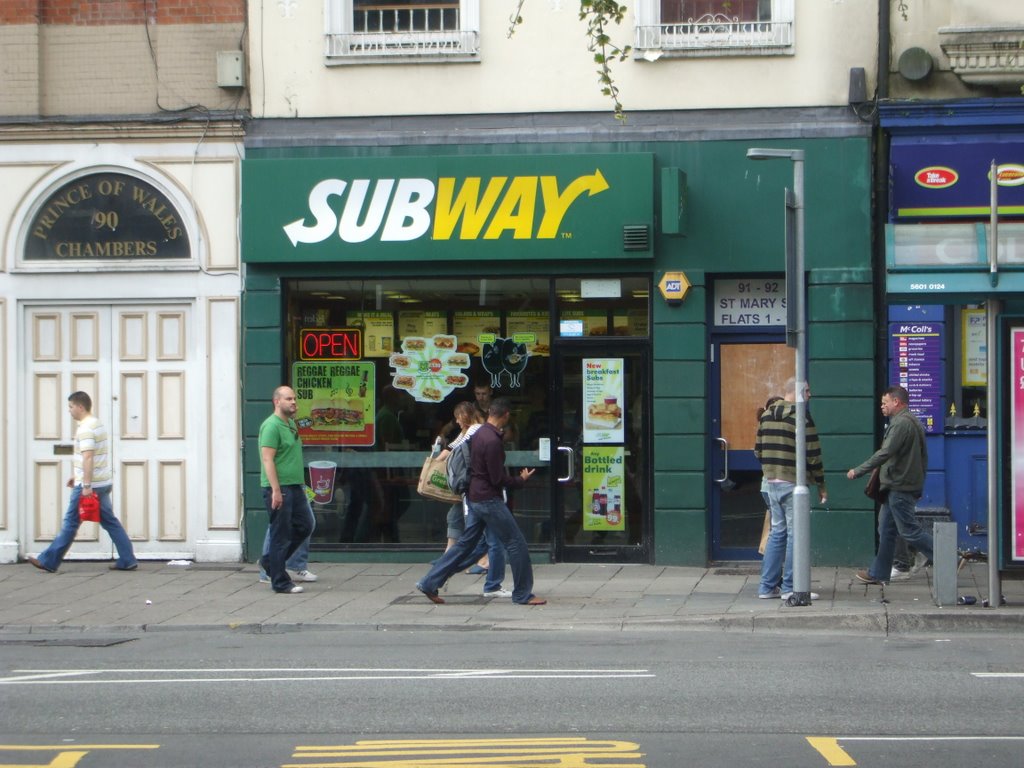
{"x":714,"y":27}
{"x":400,"y":30}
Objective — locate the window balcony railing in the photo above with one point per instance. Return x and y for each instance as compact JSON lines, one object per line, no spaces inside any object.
{"x":404,"y":30}
{"x":714,"y":31}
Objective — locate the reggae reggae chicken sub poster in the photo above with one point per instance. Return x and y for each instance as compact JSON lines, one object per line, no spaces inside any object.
{"x":335,"y":403}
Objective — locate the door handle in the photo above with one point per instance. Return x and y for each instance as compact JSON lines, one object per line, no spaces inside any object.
{"x":572,"y":463}
{"x":725,"y":468}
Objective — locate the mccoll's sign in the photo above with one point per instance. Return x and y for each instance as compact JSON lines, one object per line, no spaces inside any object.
{"x":521,"y":207}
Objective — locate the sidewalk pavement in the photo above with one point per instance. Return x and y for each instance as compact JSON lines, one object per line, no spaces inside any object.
{"x":162,"y":596}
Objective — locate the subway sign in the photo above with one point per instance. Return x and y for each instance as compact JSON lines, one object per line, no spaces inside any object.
{"x":446,"y":208}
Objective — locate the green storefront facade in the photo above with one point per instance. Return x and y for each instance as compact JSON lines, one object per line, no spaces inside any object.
{"x":393,"y":269}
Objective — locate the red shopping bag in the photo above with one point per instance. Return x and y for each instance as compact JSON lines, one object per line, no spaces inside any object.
{"x":89,"y":508}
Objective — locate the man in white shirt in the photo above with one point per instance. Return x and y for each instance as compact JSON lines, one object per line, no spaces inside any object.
{"x":92,"y":476}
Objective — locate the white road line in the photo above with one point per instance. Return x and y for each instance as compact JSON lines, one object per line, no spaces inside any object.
{"x":997,"y":674}
{"x":256,"y":675}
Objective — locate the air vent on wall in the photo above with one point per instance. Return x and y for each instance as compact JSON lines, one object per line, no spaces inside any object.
{"x":636,"y":237}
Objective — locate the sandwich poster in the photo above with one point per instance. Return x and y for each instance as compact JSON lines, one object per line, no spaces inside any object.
{"x":602,"y":398}
{"x":336,"y":403}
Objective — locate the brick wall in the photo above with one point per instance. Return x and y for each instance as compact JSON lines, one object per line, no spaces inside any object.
{"x":18,"y":12}
{"x":105,"y":12}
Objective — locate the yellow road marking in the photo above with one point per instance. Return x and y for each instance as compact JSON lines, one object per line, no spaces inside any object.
{"x":62,"y":760}
{"x":65,"y":758}
{"x":569,"y":752}
{"x":830,"y":750}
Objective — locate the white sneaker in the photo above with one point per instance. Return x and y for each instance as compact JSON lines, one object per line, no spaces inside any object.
{"x":898,"y":575}
{"x":294,"y":589}
{"x":768,"y":595}
{"x":305,"y":575}
{"x":499,"y":593}
{"x":786,"y":595}
{"x":264,"y":577}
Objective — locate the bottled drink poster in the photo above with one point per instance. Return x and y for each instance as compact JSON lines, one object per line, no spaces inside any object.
{"x":604,"y":502}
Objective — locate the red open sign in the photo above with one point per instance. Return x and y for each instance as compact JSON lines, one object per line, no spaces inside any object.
{"x":330,"y":344}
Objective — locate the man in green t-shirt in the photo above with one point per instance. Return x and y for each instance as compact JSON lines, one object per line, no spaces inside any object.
{"x":282,"y":476}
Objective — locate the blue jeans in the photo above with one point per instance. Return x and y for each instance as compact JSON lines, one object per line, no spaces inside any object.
{"x":490,"y":544}
{"x":53,"y":555}
{"x":290,"y":525}
{"x":896,"y":518}
{"x":299,"y":560}
{"x":495,"y":516}
{"x":777,"y":568}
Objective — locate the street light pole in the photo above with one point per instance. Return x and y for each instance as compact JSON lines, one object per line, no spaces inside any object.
{"x":796,"y":288}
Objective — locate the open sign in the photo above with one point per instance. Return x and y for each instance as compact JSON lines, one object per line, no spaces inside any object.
{"x":330,"y":344}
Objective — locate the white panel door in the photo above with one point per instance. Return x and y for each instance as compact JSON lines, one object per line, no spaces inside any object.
{"x":134,"y":363}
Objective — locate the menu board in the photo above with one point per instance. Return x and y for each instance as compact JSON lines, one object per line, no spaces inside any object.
{"x":335,"y":402}
{"x":604,"y":483}
{"x":429,"y":368}
{"x":473,"y":328}
{"x":530,"y":327}
{"x":378,"y":331}
{"x":595,"y":323}
{"x":414,"y":323}
{"x":602,"y":398}
{"x":916,"y":364}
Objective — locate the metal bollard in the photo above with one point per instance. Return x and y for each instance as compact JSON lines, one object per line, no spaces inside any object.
{"x":944,"y":564}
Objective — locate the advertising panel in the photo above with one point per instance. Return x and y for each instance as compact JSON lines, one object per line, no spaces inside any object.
{"x":1017,"y":444}
{"x":604,"y":498}
{"x":603,"y":420}
{"x":336,"y":403}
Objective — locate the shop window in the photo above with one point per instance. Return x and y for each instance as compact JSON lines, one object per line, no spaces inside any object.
{"x":714,"y":27}
{"x":402,"y":30}
{"x":379,"y":366}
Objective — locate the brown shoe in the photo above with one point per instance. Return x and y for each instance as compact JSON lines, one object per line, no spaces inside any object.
{"x":38,"y":565}
{"x":864,"y":578}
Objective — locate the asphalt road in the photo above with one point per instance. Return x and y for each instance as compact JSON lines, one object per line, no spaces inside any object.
{"x":390,"y":698}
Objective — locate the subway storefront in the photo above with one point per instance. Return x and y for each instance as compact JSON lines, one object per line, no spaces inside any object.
{"x":629,"y":304}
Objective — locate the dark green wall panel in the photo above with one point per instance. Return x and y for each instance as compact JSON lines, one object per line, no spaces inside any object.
{"x":680,"y":342}
{"x":681,"y":537}
{"x":679,"y":452}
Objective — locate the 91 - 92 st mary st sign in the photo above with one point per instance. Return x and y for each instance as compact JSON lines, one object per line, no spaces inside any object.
{"x":106,"y":216}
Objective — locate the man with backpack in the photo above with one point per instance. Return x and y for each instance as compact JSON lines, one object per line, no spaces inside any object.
{"x":485,"y":498}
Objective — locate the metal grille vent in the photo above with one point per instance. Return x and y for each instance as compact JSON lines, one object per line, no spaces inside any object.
{"x":636,"y":237}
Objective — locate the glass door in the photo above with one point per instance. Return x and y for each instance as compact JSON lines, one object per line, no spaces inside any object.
{"x":600,"y":457}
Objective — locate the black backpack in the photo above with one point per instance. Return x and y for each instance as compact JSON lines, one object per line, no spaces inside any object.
{"x":457,"y":471}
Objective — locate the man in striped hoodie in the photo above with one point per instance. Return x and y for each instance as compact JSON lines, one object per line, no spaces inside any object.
{"x":775,"y":448}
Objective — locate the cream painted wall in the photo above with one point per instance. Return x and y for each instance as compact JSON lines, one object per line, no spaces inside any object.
{"x":545,"y":67}
{"x":203,"y":176}
{"x":921,"y":29}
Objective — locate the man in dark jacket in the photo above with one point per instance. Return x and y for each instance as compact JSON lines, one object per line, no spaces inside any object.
{"x":903,"y":459}
{"x":488,"y":480}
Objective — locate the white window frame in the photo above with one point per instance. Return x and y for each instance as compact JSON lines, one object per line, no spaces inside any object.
{"x":343,"y":45}
{"x":715,"y":35}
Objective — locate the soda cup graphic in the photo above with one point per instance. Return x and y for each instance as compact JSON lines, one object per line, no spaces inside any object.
{"x":321,"y":480}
